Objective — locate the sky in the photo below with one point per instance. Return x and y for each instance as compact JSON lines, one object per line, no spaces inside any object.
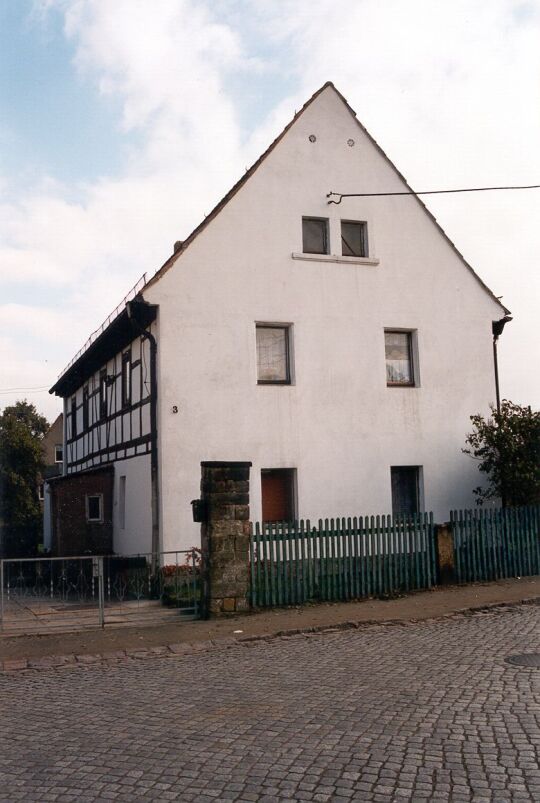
{"x":123,"y":123}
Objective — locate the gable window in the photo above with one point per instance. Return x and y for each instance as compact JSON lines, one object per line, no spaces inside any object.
{"x":405,"y":489}
{"x":58,"y":453}
{"x":273,"y":355}
{"x":399,"y":358}
{"x":73,"y":417}
{"x":278,"y":494}
{"x":86,"y":408}
{"x":126,"y":379}
{"x":103,"y":393}
{"x":353,"y":238}
{"x":94,"y":507}
{"x":315,"y":235}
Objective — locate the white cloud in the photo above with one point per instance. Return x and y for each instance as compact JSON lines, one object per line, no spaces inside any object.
{"x":450,"y":90}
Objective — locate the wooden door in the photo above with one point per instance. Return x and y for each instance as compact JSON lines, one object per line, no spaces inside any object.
{"x":277,"y":494}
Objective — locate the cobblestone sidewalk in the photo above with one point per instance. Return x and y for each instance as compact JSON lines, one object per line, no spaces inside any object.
{"x":428,"y":711}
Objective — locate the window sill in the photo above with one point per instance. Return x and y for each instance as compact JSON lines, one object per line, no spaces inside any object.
{"x":336,"y":258}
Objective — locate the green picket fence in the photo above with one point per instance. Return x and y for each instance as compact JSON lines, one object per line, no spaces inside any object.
{"x":493,"y":544}
{"x":341,"y":559}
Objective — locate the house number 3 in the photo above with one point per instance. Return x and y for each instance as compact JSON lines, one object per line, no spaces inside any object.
{"x":175,"y":408}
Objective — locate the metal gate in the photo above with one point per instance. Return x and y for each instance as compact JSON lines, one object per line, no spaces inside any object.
{"x":48,"y":595}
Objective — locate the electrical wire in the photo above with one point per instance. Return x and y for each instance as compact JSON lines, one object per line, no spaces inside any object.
{"x":40,"y":389}
{"x":426,"y":192}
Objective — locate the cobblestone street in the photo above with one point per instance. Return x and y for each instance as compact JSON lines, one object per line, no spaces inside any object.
{"x":418,"y":712}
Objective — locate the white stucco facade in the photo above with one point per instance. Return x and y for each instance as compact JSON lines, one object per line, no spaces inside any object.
{"x":338,"y":424}
{"x":132,"y":512}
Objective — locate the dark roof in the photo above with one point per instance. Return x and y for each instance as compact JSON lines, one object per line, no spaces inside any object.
{"x":113,"y":339}
{"x":239,"y":184}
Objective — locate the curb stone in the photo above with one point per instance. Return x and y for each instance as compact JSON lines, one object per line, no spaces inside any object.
{"x":12,"y":666}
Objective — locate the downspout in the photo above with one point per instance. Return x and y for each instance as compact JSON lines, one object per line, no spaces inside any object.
{"x":131,"y":307}
{"x":497,"y":329}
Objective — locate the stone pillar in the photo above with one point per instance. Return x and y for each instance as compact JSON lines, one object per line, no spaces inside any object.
{"x":444,"y":543}
{"x":225,"y":536}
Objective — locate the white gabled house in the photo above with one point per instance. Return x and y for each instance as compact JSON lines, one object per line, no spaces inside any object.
{"x":340,"y":348}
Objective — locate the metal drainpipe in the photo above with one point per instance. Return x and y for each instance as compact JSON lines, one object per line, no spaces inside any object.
{"x":154,"y":467}
{"x":497,"y":329}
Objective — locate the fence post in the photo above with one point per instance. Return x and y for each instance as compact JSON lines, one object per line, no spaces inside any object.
{"x":225,"y":537}
{"x":101,"y":592}
{"x":1,"y":594}
{"x":444,"y":548}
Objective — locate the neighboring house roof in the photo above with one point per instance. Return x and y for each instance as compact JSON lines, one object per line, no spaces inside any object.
{"x":67,"y":381}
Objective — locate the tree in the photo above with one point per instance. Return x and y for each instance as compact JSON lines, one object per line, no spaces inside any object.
{"x":21,"y":463}
{"x":507,"y":446}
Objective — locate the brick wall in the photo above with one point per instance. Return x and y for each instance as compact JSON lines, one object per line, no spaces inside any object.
{"x":72,"y":534}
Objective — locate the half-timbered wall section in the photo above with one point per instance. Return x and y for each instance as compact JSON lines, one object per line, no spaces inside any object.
{"x":108,"y":416}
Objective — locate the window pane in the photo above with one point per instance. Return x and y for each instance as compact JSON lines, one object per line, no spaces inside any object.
{"x":353,"y":239}
{"x":94,"y":508}
{"x":314,"y":236}
{"x":272,"y":354}
{"x":404,"y":490}
{"x":398,"y":357}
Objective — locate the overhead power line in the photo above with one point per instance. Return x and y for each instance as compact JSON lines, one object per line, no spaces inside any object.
{"x":22,"y":390}
{"x":342,"y":195}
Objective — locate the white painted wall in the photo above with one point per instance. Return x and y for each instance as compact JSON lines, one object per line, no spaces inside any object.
{"x":136,"y":535}
{"x":339,"y":425}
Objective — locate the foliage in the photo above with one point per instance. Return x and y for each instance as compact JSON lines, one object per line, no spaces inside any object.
{"x":507,"y":446}
{"x":21,"y":462}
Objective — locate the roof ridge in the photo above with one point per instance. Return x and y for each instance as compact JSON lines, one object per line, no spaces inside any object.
{"x":239,"y":184}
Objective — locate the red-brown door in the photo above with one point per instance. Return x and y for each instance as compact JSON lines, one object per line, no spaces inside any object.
{"x":277,"y":494}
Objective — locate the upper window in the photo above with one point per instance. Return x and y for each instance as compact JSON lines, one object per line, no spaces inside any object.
{"x":73,"y":416}
{"x":58,"y":453}
{"x":103,"y":393}
{"x":353,"y":238}
{"x":315,"y":235}
{"x":86,"y":408}
{"x":126,"y":379}
{"x":399,"y":361}
{"x":94,"y":507}
{"x":273,"y":356}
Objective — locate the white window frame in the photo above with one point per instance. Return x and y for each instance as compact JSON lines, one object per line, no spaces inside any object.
{"x":365,"y":241}
{"x":288,"y":327}
{"x":413,"y":357}
{"x":58,"y":446}
{"x":326,"y":222}
{"x":87,"y":500}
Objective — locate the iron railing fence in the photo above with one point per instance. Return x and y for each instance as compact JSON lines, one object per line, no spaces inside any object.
{"x":101,"y":582}
{"x":341,"y":559}
{"x":491,"y":544}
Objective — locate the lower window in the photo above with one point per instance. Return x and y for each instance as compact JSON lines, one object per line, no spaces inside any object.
{"x":94,"y":507}
{"x":405,"y":489}
{"x":278,"y":494}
